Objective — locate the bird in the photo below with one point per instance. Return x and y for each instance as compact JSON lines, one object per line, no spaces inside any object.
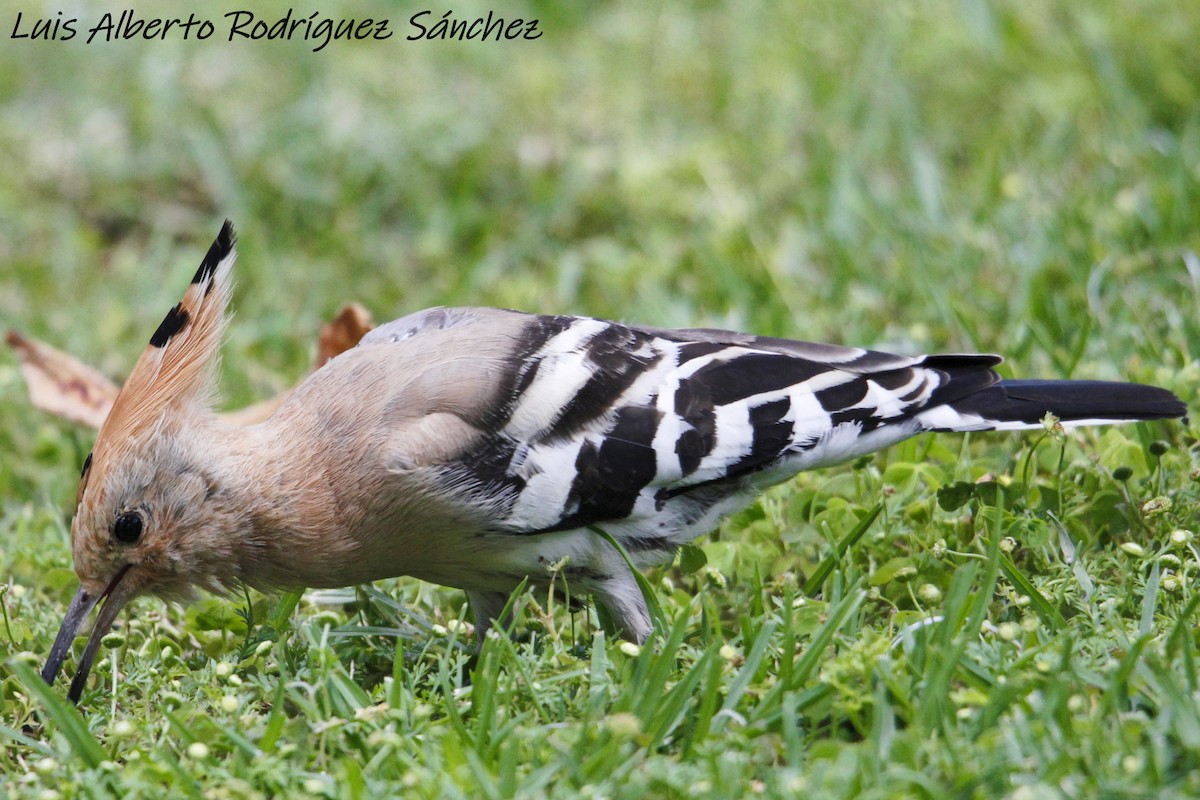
{"x":481,"y":448}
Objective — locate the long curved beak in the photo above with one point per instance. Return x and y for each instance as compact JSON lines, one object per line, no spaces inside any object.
{"x":81,"y":606}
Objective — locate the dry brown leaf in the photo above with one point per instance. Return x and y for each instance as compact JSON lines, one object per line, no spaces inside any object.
{"x":62,"y":385}
{"x":342,"y":332}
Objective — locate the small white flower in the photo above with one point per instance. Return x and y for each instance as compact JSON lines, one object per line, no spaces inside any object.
{"x":1134,"y":549}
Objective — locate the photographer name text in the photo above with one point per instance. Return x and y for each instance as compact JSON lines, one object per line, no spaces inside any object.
{"x":315,"y":28}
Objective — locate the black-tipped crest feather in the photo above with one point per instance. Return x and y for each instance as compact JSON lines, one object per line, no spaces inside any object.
{"x":218,"y":251}
{"x":175,"y":367}
{"x":172,"y":323}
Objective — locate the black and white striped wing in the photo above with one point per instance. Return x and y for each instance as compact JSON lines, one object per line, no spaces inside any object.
{"x":655,"y":430}
{"x":655,"y":434}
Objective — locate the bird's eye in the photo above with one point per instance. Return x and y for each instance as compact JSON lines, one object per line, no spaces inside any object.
{"x":128,"y":527}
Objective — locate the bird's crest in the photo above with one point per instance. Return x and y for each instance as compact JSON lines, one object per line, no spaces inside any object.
{"x":175,"y":371}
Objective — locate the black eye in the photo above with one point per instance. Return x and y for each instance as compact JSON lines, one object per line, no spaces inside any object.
{"x":128,"y":527}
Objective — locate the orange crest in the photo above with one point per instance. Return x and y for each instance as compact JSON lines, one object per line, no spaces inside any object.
{"x":175,"y":370}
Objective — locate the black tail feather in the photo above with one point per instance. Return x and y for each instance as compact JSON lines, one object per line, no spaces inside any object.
{"x":1028,"y":401}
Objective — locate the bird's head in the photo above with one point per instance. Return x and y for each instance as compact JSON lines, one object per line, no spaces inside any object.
{"x":144,"y":521}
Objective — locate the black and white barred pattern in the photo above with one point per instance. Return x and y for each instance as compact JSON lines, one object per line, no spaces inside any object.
{"x":654,"y":434}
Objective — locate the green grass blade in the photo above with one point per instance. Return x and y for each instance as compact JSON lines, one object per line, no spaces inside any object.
{"x":25,"y":741}
{"x":947,"y":642}
{"x":813,"y":653}
{"x":746,"y":674}
{"x":1048,"y":614}
{"x":284,"y":607}
{"x":647,"y":689}
{"x":823,"y":570}
{"x":1117,"y":691}
{"x":1181,"y":640}
{"x":709,"y":698}
{"x":671,"y":711}
{"x":64,"y":715}
{"x":275,"y":720}
{"x":838,"y":616}
{"x":1150,"y":600}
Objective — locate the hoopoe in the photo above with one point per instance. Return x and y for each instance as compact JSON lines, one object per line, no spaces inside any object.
{"x":478,"y":447}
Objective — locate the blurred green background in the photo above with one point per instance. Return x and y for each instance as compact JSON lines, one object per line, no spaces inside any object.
{"x":992,"y":175}
{"x":1002,"y":176}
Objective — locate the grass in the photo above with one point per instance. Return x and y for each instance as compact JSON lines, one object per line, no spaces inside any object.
{"x":931,"y":175}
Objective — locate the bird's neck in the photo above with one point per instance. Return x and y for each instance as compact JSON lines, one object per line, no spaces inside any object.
{"x":279,"y":501}
{"x":315,"y":500}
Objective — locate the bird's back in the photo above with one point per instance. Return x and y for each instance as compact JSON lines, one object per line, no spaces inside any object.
{"x":653,"y":433}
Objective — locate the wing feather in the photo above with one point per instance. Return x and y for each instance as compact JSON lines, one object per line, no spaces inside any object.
{"x":612,"y":423}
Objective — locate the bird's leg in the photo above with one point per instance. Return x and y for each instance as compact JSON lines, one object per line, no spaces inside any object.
{"x":488,"y":608}
{"x":622,"y":599}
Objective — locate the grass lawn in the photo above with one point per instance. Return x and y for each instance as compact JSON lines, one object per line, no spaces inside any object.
{"x":1018,"y":621}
